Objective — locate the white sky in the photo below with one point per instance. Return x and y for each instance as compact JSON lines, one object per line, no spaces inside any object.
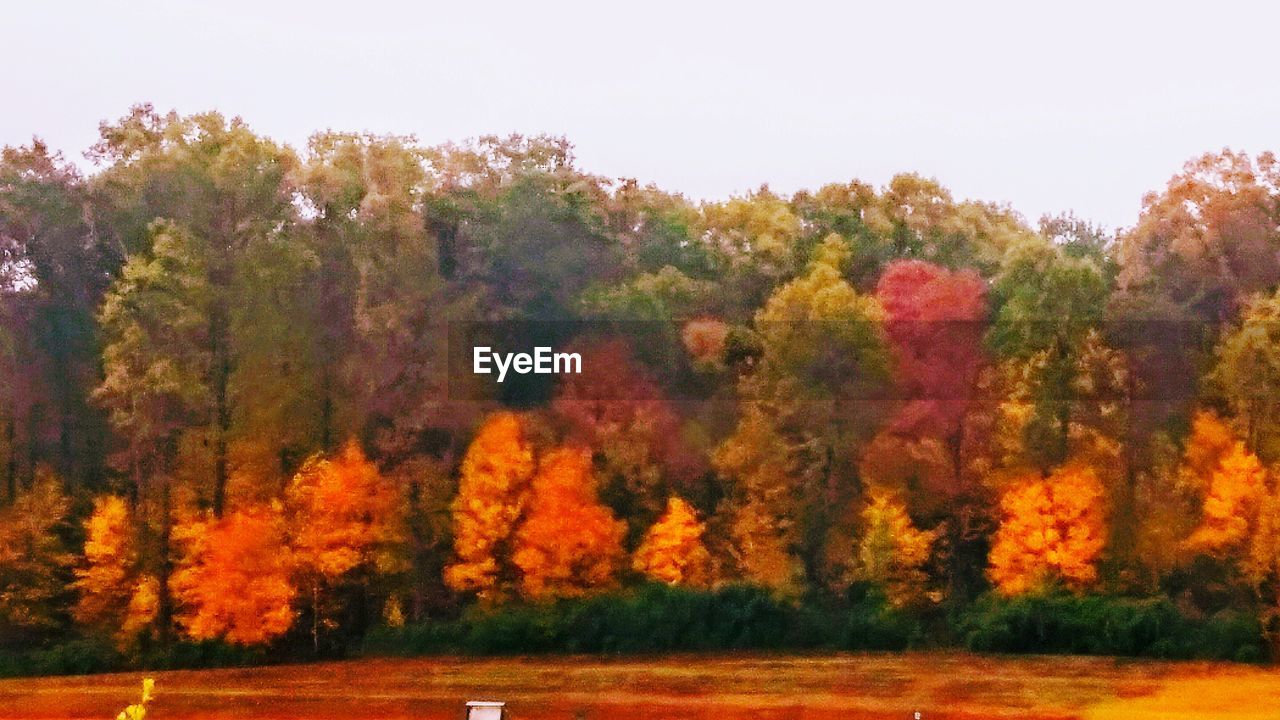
{"x":1084,"y":107}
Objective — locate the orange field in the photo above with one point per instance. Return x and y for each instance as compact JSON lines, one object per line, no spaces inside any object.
{"x":938,"y":685}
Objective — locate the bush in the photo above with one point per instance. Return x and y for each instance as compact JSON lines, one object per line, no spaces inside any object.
{"x":71,"y":657}
{"x":1107,"y":626}
{"x":658,"y":618}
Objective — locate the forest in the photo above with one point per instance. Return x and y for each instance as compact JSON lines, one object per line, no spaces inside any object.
{"x":229,"y":427}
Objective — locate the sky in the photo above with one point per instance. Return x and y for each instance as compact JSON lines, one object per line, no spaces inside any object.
{"x":1084,"y":107}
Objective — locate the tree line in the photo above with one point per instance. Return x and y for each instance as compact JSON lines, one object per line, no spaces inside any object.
{"x":225,"y":412}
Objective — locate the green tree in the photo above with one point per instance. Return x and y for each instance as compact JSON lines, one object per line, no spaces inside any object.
{"x":1248,"y":373}
{"x":821,"y":383}
{"x":221,"y":191}
{"x":1046,"y":303}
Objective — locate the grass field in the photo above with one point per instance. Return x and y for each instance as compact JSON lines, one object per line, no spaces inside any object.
{"x":938,"y":685}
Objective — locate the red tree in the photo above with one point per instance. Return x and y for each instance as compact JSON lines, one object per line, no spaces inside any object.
{"x":934,"y":322}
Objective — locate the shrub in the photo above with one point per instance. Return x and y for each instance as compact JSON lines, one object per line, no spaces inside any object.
{"x":659,"y":618}
{"x":1106,"y":625}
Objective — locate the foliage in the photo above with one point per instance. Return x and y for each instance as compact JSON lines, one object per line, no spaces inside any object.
{"x":1052,"y":529}
{"x":672,"y":550}
{"x":873,"y":403}
{"x":111,"y":593}
{"x":1100,"y":625}
{"x":34,"y":561}
{"x":1234,"y":492}
{"x":892,"y":552}
{"x":234,"y":579}
{"x":660,"y":618}
{"x":569,"y":544}
{"x":492,"y":493}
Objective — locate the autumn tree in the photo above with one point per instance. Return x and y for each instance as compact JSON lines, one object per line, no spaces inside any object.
{"x":893,"y":552}
{"x":672,"y":551}
{"x":820,"y":384}
{"x":761,"y":510}
{"x":345,"y":527}
{"x":1046,"y":301}
{"x":753,"y":243}
{"x":377,"y":296}
{"x":1052,"y":529}
{"x":54,"y":268}
{"x":616,"y":407}
{"x":1234,"y":491}
{"x":233,"y":581}
{"x":569,"y":543}
{"x":1171,"y":497}
{"x":1248,"y":373}
{"x":35,"y":563}
{"x":492,"y":496}
{"x":114,"y":596}
{"x":198,"y":204}
{"x":1205,"y":243}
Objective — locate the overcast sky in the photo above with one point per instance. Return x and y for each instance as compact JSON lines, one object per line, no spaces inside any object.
{"x":1085,"y":107}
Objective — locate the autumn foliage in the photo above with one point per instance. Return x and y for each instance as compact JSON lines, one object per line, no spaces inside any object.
{"x":234,"y":581}
{"x":343,"y":515}
{"x":1052,"y":529}
{"x":854,"y":392}
{"x":893,"y":551}
{"x":569,"y":543}
{"x":114,"y":596}
{"x":672,"y":551}
{"x":493,"y":491}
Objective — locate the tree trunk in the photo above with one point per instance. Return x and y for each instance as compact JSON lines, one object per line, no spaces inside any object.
{"x":326,"y":413}
{"x":222,"y":410}
{"x":165,"y":609}
{"x":11,"y":462}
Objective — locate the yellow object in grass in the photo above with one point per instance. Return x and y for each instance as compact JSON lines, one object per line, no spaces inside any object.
{"x":138,"y":711}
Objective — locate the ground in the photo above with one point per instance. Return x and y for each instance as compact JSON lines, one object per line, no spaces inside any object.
{"x":940,"y":686}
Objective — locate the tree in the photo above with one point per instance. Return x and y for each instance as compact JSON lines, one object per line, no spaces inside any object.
{"x":569,"y":544}
{"x":493,"y":492}
{"x":35,"y":565}
{"x":54,"y":269}
{"x":220,"y":195}
{"x":762,"y":510}
{"x":754,"y":245}
{"x":892,"y":552}
{"x":672,"y":551}
{"x":934,"y":320}
{"x":376,"y":298}
{"x":345,"y":525}
{"x":1207,"y":241}
{"x":1248,"y":372}
{"x":233,"y":580}
{"x":616,"y":407}
{"x":1052,"y":529}
{"x":113,"y":595}
{"x":1235,"y":490}
{"x":1046,"y":303}
{"x":820,"y":386}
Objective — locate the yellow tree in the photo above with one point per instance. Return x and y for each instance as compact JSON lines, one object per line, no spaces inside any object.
{"x":570,"y":543}
{"x":1051,"y":528}
{"x":762,"y":510}
{"x":492,"y":493}
{"x":1235,"y":490}
{"x":34,"y":563}
{"x":345,"y":519}
{"x":234,"y":578}
{"x":672,"y":551}
{"x":113,"y":596}
{"x":893,"y":551}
